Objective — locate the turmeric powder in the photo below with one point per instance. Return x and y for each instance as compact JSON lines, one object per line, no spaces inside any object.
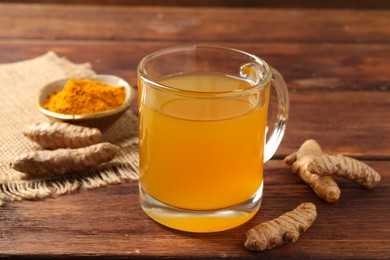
{"x":85,"y":96}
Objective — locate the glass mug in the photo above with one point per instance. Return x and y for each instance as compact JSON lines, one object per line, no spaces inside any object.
{"x":202,"y":135}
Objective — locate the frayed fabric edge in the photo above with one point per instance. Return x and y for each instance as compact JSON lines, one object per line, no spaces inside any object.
{"x":36,"y":189}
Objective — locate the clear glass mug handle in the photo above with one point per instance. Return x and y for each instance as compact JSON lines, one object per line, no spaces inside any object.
{"x":275,"y":137}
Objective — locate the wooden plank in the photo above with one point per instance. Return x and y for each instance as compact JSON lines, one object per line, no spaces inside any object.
{"x":349,"y":123}
{"x":109,"y":222}
{"x":305,"y":66}
{"x":357,"y":4}
{"x":192,"y":24}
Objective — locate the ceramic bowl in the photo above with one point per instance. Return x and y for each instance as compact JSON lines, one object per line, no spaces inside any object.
{"x":103,"y":119}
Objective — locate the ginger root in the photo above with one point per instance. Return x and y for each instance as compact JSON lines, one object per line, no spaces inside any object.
{"x":55,"y":135}
{"x":285,"y":229}
{"x":316,"y":169}
{"x":61,"y":161}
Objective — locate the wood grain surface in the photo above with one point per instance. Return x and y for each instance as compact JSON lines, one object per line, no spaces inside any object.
{"x":357,"y":4}
{"x":336,"y":63}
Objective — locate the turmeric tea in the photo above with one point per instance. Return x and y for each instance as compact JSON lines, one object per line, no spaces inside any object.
{"x":85,"y":96}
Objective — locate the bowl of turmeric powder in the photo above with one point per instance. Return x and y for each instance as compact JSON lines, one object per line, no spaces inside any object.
{"x":96,"y":101}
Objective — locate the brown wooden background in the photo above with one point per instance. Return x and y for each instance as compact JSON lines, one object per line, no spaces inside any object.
{"x":354,"y":4}
{"x":335,"y":57}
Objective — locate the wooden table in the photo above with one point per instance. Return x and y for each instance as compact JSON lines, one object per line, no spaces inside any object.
{"x":337,"y":67}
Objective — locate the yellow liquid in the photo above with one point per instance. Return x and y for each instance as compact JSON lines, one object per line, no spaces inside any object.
{"x":202,"y":154}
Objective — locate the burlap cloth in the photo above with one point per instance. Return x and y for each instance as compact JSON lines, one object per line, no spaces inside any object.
{"x":19,"y":84}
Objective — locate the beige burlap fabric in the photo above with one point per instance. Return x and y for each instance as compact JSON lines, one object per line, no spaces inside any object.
{"x":19,"y":84}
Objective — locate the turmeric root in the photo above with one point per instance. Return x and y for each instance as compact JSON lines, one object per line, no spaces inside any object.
{"x":285,"y":229}
{"x":324,"y":186}
{"x":347,"y":167}
{"x":61,"y":161}
{"x":313,"y":166}
{"x":62,"y":135}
